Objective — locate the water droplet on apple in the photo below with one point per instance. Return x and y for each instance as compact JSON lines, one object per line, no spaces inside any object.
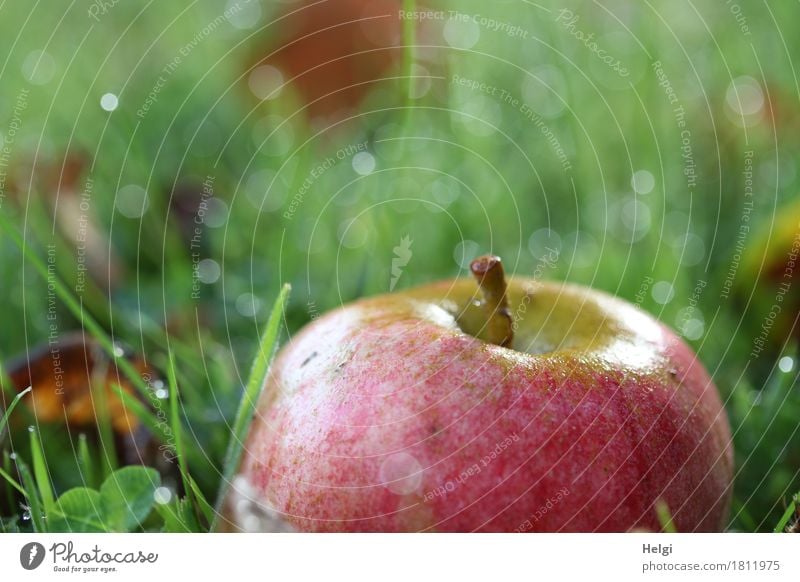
{"x":250,"y":513}
{"x":401,"y":474}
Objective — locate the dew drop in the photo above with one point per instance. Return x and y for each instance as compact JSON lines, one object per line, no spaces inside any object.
{"x":401,"y":474}
{"x":109,"y":102}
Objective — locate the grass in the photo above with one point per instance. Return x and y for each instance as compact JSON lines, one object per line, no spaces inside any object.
{"x":468,"y":172}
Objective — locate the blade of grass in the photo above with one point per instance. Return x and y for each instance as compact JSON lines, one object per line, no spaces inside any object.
{"x":86,"y":463}
{"x":10,"y":409}
{"x":6,"y":384}
{"x":177,"y":432}
{"x":665,"y":517}
{"x":41,"y":473}
{"x":102,"y":414}
{"x":76,"y":307}
{"x":11,"y":481}
{"x":154,"y":424}
{"x":10,"y":484}
{"x":252,"y":392}
{"x":787,"y":515}
{"x":202,"y":503}
{"x":142,"y":413}
{"x":32,"y":496}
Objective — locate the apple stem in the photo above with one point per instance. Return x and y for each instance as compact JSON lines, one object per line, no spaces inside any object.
{"x":489,"y":318}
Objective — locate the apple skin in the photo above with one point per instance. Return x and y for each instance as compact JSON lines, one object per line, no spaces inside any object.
{"x":383,"y":415}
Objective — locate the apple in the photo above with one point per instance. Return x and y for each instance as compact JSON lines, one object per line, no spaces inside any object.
{"x":499,"y":406}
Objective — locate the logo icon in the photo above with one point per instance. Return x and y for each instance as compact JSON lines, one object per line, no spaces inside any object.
{"x":402,"y":255}
{"x":31,"y":555}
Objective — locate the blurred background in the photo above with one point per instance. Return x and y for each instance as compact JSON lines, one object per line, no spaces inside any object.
{"x":176,"y":163}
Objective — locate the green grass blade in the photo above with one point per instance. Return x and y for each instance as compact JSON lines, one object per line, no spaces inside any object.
{"x":787,"y":515}
{"x":6,"y":384}
{"x":86,"y":463}
{"x":177,"y":431}
{"x":202,"y":503}
{"x":41,"y":473}
{"x":255,"y":384}
{"x":11,"y":407}
{"x":142,"y":413}
{"x":102,"y":414}
{"x":665,"y":517}
{"x":11,"y":481}
{"x":32,"y":497}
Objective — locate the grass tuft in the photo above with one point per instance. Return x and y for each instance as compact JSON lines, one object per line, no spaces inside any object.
{"x":252,"y":392}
